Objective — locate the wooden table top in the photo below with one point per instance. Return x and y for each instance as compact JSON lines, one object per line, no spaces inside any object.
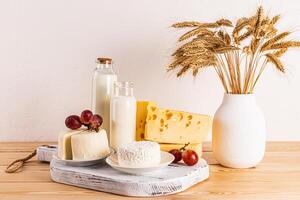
{"x":276,"y":177}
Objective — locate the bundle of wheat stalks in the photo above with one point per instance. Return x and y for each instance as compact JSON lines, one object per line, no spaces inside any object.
{"x":239,"y":56}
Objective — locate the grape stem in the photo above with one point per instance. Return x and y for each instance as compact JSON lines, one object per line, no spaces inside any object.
{"x":90,"y":128}
{"x":183,"y":148}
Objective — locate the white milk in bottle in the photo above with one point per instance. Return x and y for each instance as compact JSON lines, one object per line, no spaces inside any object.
{"x":103,"y":80}
{"x":123,"y":115}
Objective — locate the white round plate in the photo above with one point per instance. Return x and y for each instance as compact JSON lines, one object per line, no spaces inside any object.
{"x":166,"y":159}
{"x":82,"y":163}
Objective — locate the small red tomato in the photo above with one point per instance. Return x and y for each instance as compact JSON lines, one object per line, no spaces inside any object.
{"x":190,"y":157}
{"x":177,"y":154}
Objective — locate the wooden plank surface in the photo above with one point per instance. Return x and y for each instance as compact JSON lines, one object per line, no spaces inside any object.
{"x":277,"y":177}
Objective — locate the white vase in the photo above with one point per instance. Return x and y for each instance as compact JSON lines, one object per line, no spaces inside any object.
{"x":239,"y":133}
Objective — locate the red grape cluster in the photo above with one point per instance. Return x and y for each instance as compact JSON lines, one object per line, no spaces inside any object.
{"x":87,"y":118}
{"x":188,"y":156}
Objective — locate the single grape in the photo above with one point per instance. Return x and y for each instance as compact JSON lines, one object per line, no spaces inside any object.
{"x":190,"y":157}
{"x":177,"y":154}
{"x":73,"y":122}
{"x":96,"y":122}
{"x":86,"y":117}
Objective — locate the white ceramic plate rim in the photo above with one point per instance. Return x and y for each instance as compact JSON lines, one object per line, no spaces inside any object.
{"x":161,"y":164}
{"x":111,"y":152}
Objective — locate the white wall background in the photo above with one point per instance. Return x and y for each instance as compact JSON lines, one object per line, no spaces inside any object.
{"x":48,"y":51}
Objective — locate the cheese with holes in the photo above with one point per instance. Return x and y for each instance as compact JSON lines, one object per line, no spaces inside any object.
{"x":195,"y":147}
{"x":170,"y":126}
{"x":89,"y":145}
{"x":64,"y":144}
{"x":139,"y":154}
{"x":141,"y":114}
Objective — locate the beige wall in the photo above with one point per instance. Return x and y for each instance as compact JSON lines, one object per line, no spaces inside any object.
{"x":48,"y":50}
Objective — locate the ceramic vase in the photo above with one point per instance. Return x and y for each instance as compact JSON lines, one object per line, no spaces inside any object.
{"x":239,"y":133}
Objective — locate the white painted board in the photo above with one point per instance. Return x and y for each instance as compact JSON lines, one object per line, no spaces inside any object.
{"x":171,"y":179}
{"x":45,"y":154}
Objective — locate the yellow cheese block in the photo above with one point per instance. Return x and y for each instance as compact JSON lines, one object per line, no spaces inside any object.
{"x":196,"y":147}
{"x":170,"y":126}
{"x":141,"y":114}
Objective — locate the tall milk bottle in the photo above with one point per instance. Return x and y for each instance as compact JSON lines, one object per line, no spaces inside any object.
{"x":123,"y":115}
{"x":103,"y":81}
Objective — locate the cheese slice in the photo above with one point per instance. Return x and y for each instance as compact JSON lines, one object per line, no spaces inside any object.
{"x":141,"y":115}
{"x":196,"y":147}
{"x":64,"y":144}
{"x":89,"y":145}
{"x":170,"y":126}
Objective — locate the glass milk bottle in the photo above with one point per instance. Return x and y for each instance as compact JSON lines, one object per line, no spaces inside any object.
{"x":103,"y":80}
{"x":123,"y":115}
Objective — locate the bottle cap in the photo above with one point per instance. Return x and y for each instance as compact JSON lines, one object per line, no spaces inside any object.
{"x":104,"y":60}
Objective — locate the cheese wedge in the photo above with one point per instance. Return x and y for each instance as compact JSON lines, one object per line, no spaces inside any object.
{"x":141,"y":115}
{"x":89,"y":145}
{"x":64,"y":144}
{"x":170,"y":126}
{"x":196,"y":147}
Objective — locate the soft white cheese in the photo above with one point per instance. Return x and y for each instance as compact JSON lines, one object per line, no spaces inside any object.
{"x":89,"y":145}
{"x":139,"y":154}
{"x":64,"y":144}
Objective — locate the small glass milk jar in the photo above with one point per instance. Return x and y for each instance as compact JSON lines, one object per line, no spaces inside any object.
{"x":122,"y":115}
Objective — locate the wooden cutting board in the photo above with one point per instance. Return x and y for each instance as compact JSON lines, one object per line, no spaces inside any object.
{"x":169,"y":180}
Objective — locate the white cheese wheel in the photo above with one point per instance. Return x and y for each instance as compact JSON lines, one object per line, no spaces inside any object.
{"x":64,"y":144}
{"x":139,"y":154}
{"x":89,"y":145}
